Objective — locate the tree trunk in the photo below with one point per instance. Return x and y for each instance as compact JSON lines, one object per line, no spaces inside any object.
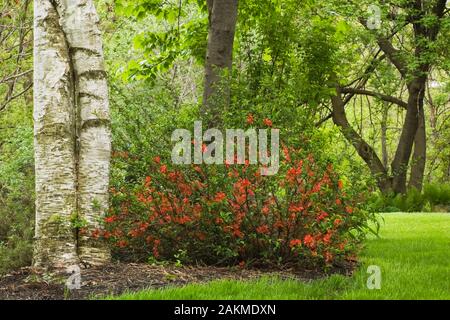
{"x":54,"y":133}
{"x":73,"y":30}
{"x":365,"y":151}
{"x":384,"y":120}
{"x":219,"y":57}
{"x":420,"y":153}
{"x":400,"y":163}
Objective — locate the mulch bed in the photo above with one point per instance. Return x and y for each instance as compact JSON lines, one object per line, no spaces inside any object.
{"x":118,"y":278}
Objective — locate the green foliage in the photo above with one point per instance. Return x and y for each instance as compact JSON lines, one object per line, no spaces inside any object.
{"x":435,"y":197}
{"x":173,"y":30}
{"x":16,"y":200}
{"x":437,"y":194}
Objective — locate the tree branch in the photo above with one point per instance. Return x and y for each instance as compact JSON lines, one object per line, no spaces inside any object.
{"x":381,"y":96}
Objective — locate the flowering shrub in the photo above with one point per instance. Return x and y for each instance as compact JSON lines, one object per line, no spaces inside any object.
{"x":230,"y":214}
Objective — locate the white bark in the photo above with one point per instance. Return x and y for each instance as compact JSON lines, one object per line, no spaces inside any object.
{"x":78,"y":22}
{"x":55,"y":243}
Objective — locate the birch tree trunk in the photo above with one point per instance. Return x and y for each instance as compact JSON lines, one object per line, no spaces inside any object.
{"x":54,"y":132}
{"x":87,"y":102}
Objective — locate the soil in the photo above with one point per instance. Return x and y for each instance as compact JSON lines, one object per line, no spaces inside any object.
{"x":117,"y":278}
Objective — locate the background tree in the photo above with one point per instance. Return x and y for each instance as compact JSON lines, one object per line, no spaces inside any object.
{"x":419,"y":24}
{"x":222,"y":17}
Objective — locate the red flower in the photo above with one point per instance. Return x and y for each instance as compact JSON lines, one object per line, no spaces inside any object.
{"x":268,"y":122}
{"x":348,"y":209}
{"x":327,"y":237}
{"x":264,"y":229}
{"x":340,"y":184}
{"x":245,"y":183}
{"x":157,"y":159}
{"x":295,"y":208}
{"x":198,"y":169}
{"x":95,"y":234}
{"x":237,"y":233}
{"x":219,"y":197}
{"x":250,"y":119}
{"x":122,"y":243}
{"x":338,"y":202}
{"x":316,"y":187}
{"x":322,"y":216}
{"x":337,"y":222}
{"x":309,"y":241}
{"x":295,"y":243}
{"x":110,"y":219}
{"x":163,"y":169}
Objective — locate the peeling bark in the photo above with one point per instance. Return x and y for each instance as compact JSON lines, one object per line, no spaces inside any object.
{"x":85,"y":87}
{"x":54,"y":132}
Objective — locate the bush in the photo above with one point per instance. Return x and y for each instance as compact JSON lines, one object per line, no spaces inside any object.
{"x":16,"y":199}
{"x":437,"y":194}
{"x":230,"y":214}
{"x":435,"y":197}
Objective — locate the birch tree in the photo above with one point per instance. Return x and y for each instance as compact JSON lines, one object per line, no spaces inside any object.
{"x":72,"y":133}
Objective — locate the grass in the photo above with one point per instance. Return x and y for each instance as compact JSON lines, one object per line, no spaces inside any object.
{"x":413,"y":254}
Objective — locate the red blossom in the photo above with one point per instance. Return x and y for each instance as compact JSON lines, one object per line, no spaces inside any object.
{"x":220,"y":196}
{"x":322,"y":216}
{"x":268,"y":122}
{"x":122,"y":243}
{"x":309,"y":241}
{"x":337,"y":222}
{"x":295,"y":243}
{"x":263,"y":229}
{"x":110,"y":219}
{"x":163,"y":169}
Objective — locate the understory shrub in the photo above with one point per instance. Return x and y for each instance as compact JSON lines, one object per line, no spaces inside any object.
{"x":230,"y":214}
{"x":16,"y":200}
{"x":435,"y":197}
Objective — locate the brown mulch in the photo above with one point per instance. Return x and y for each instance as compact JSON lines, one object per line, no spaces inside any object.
{"x":117,"y":278}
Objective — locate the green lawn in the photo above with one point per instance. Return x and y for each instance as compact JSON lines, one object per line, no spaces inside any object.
{"x":413,"y":254}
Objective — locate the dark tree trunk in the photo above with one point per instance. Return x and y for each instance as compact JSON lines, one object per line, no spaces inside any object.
{"x":384,"y":119}
{"x":219,"y":57}
{"x":420,"y":152}
{"x":365,"y":151}
{"x":400,"y":163}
